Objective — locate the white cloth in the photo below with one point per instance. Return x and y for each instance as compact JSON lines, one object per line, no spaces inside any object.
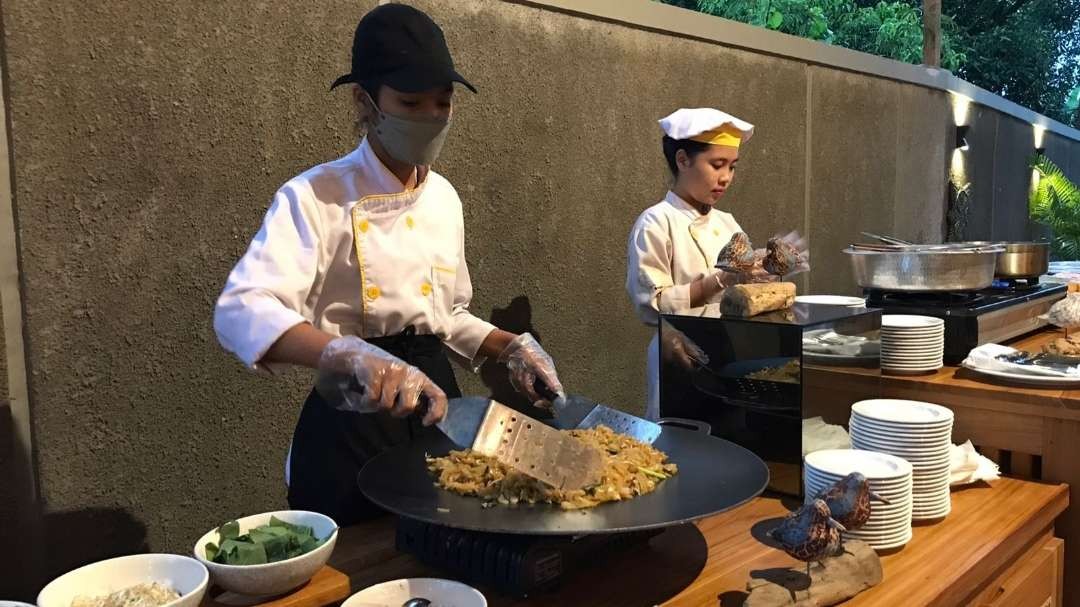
{"x":405,"y":266}
{"x":985,"y":357}
{"x":818,"y":436}
{"x":670,"y":246}
{"x":689,"y":122}
{"x":968,"y":466}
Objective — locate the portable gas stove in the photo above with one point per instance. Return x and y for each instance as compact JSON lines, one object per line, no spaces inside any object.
{"x":516,"y":565}
{"x":996,"y":314}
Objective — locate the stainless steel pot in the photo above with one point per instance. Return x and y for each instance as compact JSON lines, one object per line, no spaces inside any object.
{"x":1023,"y":260}
{"x":922,"y":268}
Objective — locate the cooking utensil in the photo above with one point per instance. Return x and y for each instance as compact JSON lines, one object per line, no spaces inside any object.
{"x":886,"y":239}
{"x":519,"y":441}
{"x":578,"y":412}
{"x":714,"y":475}
{"x":732,"y":386}
{"x":952,"y":267}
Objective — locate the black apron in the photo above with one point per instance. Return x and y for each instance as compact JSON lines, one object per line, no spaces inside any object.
{"x":331,"y":446}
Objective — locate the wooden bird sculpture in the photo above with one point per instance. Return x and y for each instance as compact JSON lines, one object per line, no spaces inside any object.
{"x":781,"y":257}
{"x":737,"y":256}
{"x":809,"y":534}
{"x":849,"y":500}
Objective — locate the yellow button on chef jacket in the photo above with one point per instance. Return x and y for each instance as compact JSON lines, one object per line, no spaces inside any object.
{"x":344,"y":248}
{"x":670,"y":246}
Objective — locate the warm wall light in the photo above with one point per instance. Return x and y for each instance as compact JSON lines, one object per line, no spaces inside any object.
{"x":961,"y":106}
{"x":961,"y":138}
{"x":1040,"y":138}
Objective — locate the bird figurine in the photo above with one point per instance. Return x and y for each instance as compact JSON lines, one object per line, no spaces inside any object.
{"x":849,"y":500}
{"x":737,"y":256}
{"x":781,"y":257}
{"x":1065,"y":313}
{"x":809,"y":534}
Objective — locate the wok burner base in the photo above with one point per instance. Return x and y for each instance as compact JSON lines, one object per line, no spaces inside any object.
{"x":516,"y":565}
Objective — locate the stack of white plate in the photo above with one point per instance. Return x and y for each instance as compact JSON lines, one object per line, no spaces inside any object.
{"x":920,"y":433}
{"x":911,"y":344}
{"x":890,"y":477}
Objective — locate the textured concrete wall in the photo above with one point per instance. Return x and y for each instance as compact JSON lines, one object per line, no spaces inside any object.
{"x":996,"y":165}
{"x":146,"y":149}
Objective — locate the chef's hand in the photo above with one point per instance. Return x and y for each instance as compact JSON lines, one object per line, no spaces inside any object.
{"x":676,"y":347}
{"x":354,"y":375}
{"x":802,"y":246}
{"x":527,"y":362}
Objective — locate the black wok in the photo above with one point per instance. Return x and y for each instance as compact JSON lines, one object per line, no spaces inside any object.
{"x":714,"y":475}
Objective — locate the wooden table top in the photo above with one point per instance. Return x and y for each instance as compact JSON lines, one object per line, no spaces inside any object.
{"x":988,"y":392}
{"x":710,"y":562}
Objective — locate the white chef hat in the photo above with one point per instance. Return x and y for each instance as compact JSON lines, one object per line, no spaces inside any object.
{"x":707,"y":125}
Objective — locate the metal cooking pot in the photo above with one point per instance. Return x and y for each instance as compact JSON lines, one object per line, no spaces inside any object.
{"x":1023,"y":260}
{"x":923,"y":268}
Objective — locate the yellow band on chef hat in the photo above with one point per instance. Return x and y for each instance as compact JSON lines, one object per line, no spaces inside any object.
{"x":726,"y":135}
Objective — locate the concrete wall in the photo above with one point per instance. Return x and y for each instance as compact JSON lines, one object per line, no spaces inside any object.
{"x":147,"y":147}
{"x":996,"y":166}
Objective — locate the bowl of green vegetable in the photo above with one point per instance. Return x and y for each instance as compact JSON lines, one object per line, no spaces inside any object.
{"x":267,"y":554}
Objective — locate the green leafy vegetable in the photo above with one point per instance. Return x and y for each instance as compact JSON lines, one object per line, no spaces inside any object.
{"x":269,"y":543}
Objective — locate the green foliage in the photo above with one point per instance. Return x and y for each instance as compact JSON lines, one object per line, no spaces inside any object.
{"x":1055,"y":202}
{"x":1025,"y":50}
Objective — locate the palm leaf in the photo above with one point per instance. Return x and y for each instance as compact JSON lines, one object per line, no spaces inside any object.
{"x":1055,"y":202}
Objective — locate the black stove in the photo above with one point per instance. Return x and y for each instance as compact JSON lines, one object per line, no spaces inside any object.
{"x":1001,"y":312}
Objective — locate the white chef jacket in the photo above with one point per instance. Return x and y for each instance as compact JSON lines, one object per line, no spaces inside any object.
{"x":347,"y":249}
{"x":670,"y":246}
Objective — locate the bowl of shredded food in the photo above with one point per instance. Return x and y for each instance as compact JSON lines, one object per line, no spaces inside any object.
{"x":630,"y":469}
{"x":139,"y":580}
{"x":269,"y":553}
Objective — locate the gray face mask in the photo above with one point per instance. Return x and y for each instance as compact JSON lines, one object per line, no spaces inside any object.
{"x":415,"y":142}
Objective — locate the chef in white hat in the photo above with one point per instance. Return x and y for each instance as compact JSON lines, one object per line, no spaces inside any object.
{"x":674,"y":244}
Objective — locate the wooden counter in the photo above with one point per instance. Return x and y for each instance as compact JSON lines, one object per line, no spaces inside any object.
{"x":995,"y":546}
{"x":1037,"y":430}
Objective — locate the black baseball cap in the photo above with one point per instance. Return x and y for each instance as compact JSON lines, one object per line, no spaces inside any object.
{"x":400,"y":46}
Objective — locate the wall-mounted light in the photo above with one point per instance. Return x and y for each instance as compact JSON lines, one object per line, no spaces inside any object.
{"x":961,"y":106}
{"x":961,"y":138}
{"x":1040,"y":138}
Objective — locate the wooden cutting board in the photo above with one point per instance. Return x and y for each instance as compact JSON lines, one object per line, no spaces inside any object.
{"x":327,"y":587}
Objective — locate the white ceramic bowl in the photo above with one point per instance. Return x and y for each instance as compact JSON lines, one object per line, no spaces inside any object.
{"x":183,"y":574}
{"x":272,"y":578}
{"x":441,"y":593}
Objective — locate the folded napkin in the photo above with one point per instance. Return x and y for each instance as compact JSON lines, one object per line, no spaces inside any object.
{"x":984,"y":358}
{"x":968,"y":466}
{"x":817,"y":435}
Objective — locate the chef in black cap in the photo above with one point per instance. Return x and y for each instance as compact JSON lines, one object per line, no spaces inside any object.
{"x":359,"y":270}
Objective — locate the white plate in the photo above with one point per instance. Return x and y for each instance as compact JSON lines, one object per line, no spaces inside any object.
{"x":902,"y":428}
{"x":938,"y":443}
{"x":1030,"y":380}
{"x":914,"y":433}
{"x":913,"y":364}
{"x":910,"y":321}
{"x":892,"y":546}
{"x":918,"y":459}
{"x":897,"y":494}
{"x":832,"y":300}
{"x":895,"y":411}
{"x":397,"y":592}
{"x":846,"y":461}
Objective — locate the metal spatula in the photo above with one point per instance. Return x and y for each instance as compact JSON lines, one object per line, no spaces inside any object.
{"x":579,"y":412}
{"x":518,"y":441}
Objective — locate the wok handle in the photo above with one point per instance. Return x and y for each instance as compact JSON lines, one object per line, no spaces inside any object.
{"x":687,"y":424}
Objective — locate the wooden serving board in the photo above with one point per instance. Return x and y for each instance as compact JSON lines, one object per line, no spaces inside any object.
{"x":327,"y":587}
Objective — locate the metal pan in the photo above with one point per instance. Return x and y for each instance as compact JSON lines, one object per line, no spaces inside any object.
{"x":732,"y":386}
{"x":924,"y":268}
{"x":714,"y":475}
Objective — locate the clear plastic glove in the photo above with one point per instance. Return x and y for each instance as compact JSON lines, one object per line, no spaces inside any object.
{"x":354,"y":375}
{"x":677,"y":348}
{"x":527,"y":362}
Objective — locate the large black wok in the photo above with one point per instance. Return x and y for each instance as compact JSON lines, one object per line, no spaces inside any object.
{"x":714,"y":475}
